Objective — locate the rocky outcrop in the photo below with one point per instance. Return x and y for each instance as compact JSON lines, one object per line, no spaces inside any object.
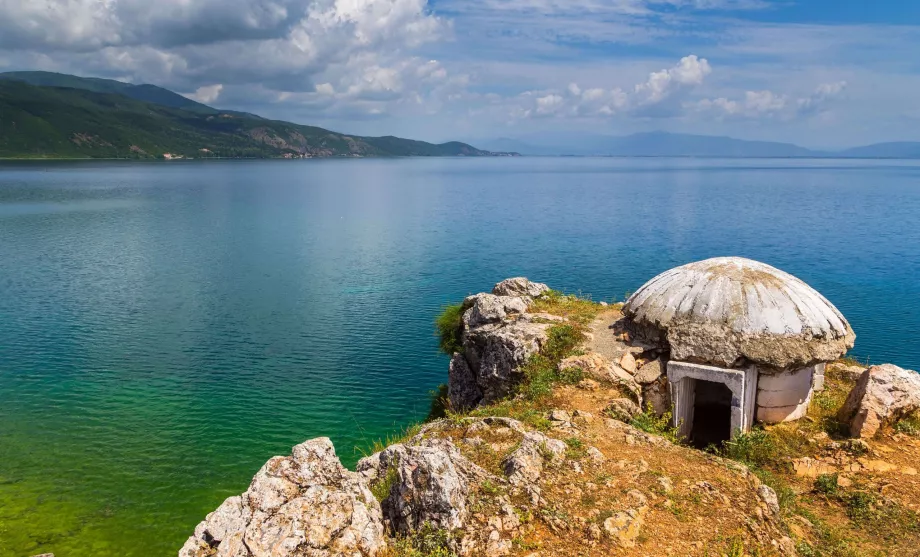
{"x":303,"y":504}
{"x":489,"y":308}
{"x":883,"y":395}
{"x":622,"y":409}
{"x":520,"y":286}
{"x":626,"y":526}
{"x":598,"y":367}
{"x":430,"y":484}
{"x":525,"y":465}
{"x":498,"y":337}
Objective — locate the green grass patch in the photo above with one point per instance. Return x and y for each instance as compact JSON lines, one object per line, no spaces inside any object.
{"x":826,"y":484}
{"x":428,"y":541}
{"x":541,"y":372}
{"x":909,"y":425}
{"x":450,"y":328}
{"x":440,"y":402}
{"x":382,"y":487}
{"x":650,"y":422}
{"x":755,"y":448}
{"x":377,"y":445}
{"x":576,"y":448}
{"x":577,"y":309}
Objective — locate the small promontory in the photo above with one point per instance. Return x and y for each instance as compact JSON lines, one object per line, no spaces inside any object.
{"x":555,"y":437}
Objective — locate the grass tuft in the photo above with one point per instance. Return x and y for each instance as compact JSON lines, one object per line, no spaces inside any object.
{"x":428,"y":541}
{"x":909,"y":425}
{"x":383,"y":486}
{"x":450,"y":328}
{"x":755,"y":448}
{"x":649,"y":422}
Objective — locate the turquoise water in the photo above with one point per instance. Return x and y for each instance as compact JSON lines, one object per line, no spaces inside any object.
{"x":166,"y":328}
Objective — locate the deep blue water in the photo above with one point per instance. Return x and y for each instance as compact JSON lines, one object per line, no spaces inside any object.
{"x":166,"y":328}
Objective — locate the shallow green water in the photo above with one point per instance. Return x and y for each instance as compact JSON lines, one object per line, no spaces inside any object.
{"x":165,"y":329}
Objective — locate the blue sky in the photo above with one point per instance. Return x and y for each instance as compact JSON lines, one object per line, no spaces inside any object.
{"x":819,"y":73}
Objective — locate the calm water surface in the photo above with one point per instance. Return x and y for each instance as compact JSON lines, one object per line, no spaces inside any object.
{"x":166,"y":328}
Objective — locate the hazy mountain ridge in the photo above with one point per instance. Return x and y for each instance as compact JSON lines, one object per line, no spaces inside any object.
{"x":47,"y":115}
{"x":664,"y":144}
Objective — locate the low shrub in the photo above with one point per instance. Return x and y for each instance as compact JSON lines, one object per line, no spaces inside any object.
{"x":755,"y":448}
{"x":909,"y":425}
{"x":649,"y":422}
{"x":428,"y":541}
{"x":450,"y":328}
{"x":382,"y":487}
{"x":826,"y":484}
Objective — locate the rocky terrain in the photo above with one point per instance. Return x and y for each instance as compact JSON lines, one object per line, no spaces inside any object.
{"x":556,"y":441}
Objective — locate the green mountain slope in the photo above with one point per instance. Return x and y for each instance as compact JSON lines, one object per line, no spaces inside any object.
{"x":109,"y":119}
{"x":147,"y":93}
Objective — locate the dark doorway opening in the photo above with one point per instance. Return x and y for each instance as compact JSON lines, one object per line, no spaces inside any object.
{"x":712,"y":414}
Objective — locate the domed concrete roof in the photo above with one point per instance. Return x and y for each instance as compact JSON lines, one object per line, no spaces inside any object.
{"x":729,"y":309}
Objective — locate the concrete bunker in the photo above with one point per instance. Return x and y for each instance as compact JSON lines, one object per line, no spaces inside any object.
{"x":743,"y":342}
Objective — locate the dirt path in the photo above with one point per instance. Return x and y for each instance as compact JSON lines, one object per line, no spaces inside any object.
{"x":603,"y":340}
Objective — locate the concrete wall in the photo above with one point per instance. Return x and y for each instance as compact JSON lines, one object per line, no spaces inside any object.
{"x":785,"y":396}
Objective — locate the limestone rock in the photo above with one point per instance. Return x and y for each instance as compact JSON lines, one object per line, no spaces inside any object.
{"x":628,"y":362}
{"x":726,"y":309}
{"x":667,"y":486}
{"x":768,"y":496}
{"x":598,"y":367}
{"x":650,"y":372}
{"x":462,"y":387}
{"x":525,"y":464}
{"x":304,"y":504}
{"x":496,"y":353}
{"x":657,"y":396}
{"x":624,"y":527}
{"x":519,"y":286}
{"x":622,"y":409}
{"x":489,"y":308}
{"x":851,"y":372}
{"x":432,"y":484}
{"x":883,"y":395}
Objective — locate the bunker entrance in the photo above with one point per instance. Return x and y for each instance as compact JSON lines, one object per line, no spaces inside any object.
{"x":712,"y":414}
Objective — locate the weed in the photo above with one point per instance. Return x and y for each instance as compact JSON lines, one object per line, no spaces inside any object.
{"x":754,"y":448}
{"x":579,"y":310}
{"x":520,"y":542}
{"x":826,"y":484}
{"x":576,"y":448}
{"x":428,"y":541}
{"x":380,"y":444}
{"x":541,"y":371}
{"x":736,"y":547}
{"x":785,"y":495}
{"x":859,"y":505}
{"x":489,"y":488}
{"x":450,"y":328}
{"x":440,"y":402}
{"x":909,"y":425}
{"x":383,"y":486}
{"x":650,"y":422}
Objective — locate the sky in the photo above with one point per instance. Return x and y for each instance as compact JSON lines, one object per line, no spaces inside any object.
{"x":818,"y":73}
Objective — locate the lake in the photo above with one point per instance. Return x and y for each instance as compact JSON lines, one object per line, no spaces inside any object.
{"x":165,"y":328}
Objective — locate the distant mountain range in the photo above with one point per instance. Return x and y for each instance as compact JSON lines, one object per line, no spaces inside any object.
{"x":663,"y":144}
{"x":50,"y":115}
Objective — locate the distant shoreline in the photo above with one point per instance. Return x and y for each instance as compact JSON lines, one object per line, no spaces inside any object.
{"x":701,"y":157}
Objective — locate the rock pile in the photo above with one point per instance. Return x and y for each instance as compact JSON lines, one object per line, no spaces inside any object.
{"x":303,"y":504}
